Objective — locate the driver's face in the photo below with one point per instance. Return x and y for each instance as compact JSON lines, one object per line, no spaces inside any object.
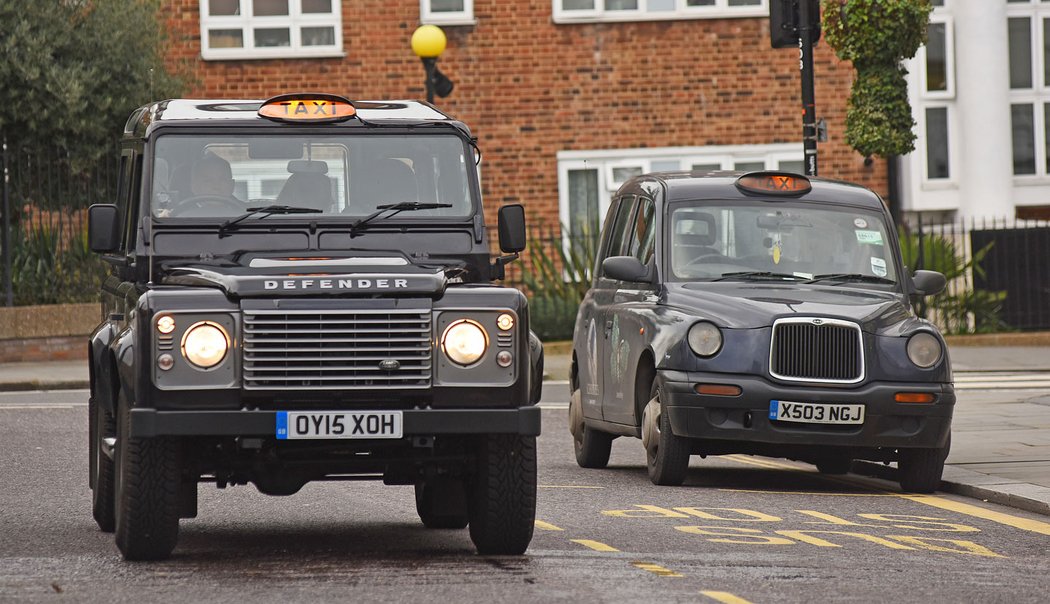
{"x":212,"y":179}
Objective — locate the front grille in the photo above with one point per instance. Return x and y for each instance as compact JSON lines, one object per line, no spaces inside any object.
{"x":337,"y":349}
{"x":816,"y":350}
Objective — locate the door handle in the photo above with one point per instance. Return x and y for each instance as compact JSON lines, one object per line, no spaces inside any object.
{"x":608,"y":327}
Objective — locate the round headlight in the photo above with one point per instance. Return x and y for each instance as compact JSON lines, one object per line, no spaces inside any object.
{"x":924,"y":349}
{"x":464,"y":342}
{"x":205,"y":344}
{"x":705,"y":339}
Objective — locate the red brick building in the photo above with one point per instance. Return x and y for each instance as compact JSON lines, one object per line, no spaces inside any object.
{"x":567,"y":97}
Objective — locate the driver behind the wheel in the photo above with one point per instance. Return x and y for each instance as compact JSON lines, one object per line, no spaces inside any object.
{"x":211,"y":175}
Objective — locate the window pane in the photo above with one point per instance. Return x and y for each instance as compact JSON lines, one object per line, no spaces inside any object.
{"x":620,"y":238}
{"x":749,"y":166}
{"x":621,"y":4}
{"x":269,"y":8}
{"x":1046,"y":134}
{"x":316,"y":6}
{"x":644,"y":230}
{"x":1023,"y":138}
{"x":706,"y":167}
{"x":936,"y":52}
{"x":272,"y":37}
{"x":700,"y":2}
{"x":937,"y":143}
{"x":225,"y":38}
{"x":745,"y":2}
{"x":578,"y":5}
{"x":1046,"y":52}
{"x":791,"y":165}
{"x":224,"y":8}
{"x":660,"y":5}
{"x":665,"y":165}
{"x":625,"y":174}
{"x":318,"y":36}
{"x":583,"y":203}
{"x":446,"y":6}
{"x":1020,"y":52}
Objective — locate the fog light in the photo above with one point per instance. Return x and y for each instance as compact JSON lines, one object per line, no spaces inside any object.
{"x":166,"y":324}
{"x":913,"y":397}
{"x":505,"y":322}
{"x":718,"y":389}
{"x":165,"y":362}
{"x":504,"y":358}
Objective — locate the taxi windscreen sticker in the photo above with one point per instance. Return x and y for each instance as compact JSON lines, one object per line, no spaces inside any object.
{"x":869,"y":237}
{"x":878,"y":267}
{"x":860,"y":223}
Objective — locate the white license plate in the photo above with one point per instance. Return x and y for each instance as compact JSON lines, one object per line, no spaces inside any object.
{"x":816,"y":413}
{"x":338,"y":424}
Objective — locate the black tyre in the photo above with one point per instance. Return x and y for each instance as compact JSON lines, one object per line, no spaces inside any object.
{"x":592,"y":447}
{"x":920,"y":470}
{"x":147,"y":492}
{"x":100,"y":427}
{"x":834,"y":465}
{"x":502,"y":495}
{"x":442,"y":504}
{"x":666,"y":453}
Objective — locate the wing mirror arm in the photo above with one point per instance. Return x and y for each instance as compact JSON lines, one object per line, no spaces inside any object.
{"x":498,"y":270}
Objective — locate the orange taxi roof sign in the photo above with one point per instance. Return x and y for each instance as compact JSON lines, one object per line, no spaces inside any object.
{"x":774,"y":183}
{"x":308,"y":107}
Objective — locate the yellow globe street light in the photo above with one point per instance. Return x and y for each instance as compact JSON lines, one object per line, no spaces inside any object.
{"x":428,"y":42}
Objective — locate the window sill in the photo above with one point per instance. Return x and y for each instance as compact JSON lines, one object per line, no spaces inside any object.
{"x":564,"y":19}
{"x":449,"y":21}
{"x":271,"y":54}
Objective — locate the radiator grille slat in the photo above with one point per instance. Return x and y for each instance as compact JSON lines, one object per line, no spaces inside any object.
{"x":336,"y":349}
{"x":820,"y":350}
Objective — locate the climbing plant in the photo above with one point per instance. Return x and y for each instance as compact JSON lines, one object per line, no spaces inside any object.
{"x":876,"y":35}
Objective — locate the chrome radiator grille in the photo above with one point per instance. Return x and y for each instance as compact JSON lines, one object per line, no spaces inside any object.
{"x":337,"y":349}
{"x":817,"y":350}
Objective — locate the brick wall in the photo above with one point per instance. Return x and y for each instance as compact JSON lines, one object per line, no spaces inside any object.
{"x":529,"y":88}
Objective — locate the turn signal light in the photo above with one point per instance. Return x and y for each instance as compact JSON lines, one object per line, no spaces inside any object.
{"x":913,"y":397}
{"x":718,"y":389}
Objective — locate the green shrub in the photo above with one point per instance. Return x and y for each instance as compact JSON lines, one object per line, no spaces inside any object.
{"x":557,"y":275}
{"x":50,"y":265}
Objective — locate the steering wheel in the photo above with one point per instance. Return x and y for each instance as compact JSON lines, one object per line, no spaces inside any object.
{"x":207,"y":205}
{"x":721,"y":259}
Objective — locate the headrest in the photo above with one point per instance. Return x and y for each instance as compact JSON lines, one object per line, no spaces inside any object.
{"x":305,"y":166}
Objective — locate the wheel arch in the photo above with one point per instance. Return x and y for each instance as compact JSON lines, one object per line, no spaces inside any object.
{"x":644,"y":376}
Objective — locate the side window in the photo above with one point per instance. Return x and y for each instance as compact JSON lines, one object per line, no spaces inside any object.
{"x":644,"y":231}
{"x":131,"y":214}
{"x":619,"y":240}
{"x":123,"y":186}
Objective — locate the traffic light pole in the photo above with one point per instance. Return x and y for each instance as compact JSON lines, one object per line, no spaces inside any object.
{"x":809,"y":111}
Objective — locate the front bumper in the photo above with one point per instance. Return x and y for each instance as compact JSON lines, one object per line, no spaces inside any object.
{"x":146,"y":422}
{"x":887,"y":423}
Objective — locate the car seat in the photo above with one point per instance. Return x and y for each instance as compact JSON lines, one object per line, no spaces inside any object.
{"x":307,"y":189}
{"x":383,"y":182}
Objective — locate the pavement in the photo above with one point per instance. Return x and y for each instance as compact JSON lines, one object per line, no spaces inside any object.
{"x":1000,"y":436}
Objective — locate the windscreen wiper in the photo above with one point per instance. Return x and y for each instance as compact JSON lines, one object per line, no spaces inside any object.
{"x":757,"y":275}
{"x":851,"y":277}
{"x":262,"y":211}
{"x":394,"y":209}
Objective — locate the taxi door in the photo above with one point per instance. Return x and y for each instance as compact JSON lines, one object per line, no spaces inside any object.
{"x":624,"y":329}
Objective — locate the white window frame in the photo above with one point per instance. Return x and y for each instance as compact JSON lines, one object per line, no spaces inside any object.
{"x":949,"y":61}
{"x":1039,"y":94}
{"x":604,"y":160}
{"x":462,"y":17}
{"x":294,"y":21}
{"x":721,"y":10}
{"x":923,"y":146}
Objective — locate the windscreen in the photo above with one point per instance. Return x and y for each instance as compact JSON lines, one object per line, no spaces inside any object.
{"x":713,"y":240}
{"x":222,"y":175}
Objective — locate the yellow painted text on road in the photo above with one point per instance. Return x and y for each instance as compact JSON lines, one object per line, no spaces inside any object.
{"x":724,"y":597}
{"x":597,"y":546}
{"x":656,"y":569}
{"x":1035,"y":526}
{"x":546,"y":526}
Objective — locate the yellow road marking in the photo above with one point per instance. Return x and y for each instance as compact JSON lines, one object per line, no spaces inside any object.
{"x":546,"y":526}
{"x":812,"y":493}
{"x":656,"y":569}
{"x":597,"y":546}
{"x":725,"y":597}
{"x":1025,"y":524}
{"x":567,"y":486}
{"x":762,"y":463}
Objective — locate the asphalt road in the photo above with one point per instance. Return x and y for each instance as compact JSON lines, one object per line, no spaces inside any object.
{"x":742,"y":529}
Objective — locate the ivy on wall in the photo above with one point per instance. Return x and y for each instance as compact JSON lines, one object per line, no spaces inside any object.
{"x":876,"y":35}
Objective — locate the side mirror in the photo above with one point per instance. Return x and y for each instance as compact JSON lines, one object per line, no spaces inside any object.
{"x":928,"y":283}
{"x":625,"y":268}
{"x":103,"y":228}
{"x":512,"y":228}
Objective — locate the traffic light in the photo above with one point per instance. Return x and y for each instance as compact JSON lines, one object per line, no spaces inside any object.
{"x":784,"y":22}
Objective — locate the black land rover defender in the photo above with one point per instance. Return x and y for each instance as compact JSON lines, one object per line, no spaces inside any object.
{"x":301,"y":289}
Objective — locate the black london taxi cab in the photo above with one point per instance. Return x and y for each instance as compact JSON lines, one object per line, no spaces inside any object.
{"x":302,"y":289}
{"x":763,"y":313}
